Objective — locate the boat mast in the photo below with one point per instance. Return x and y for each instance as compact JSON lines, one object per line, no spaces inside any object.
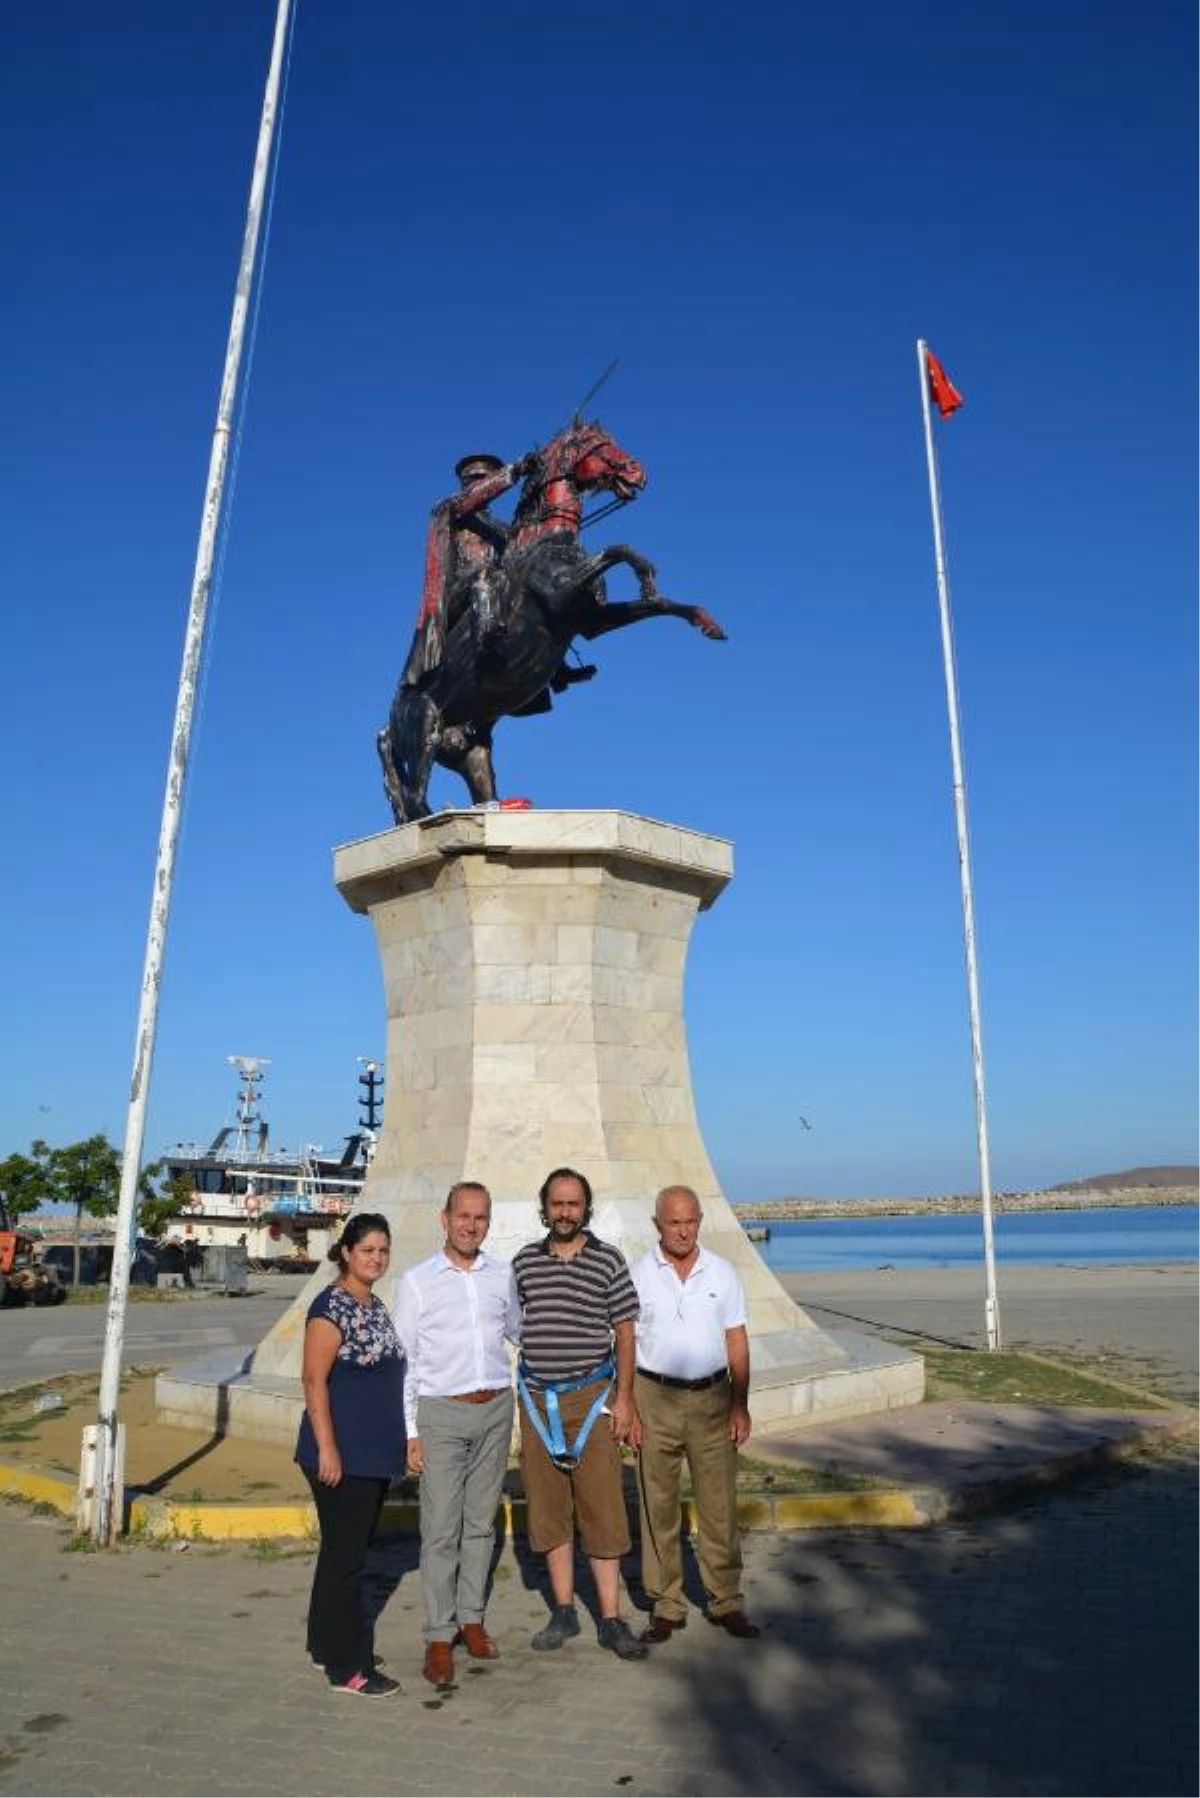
{"x":250,"y":1074}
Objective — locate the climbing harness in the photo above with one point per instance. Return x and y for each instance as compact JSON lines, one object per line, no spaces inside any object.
{"x":550,"y":1428}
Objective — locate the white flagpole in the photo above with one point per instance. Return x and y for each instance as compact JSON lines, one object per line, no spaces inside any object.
{"x":991,"y":1300}
{"x":105,"y":1520}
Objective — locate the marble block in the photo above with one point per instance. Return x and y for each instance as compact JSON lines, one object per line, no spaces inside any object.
{"x":533,"y":967}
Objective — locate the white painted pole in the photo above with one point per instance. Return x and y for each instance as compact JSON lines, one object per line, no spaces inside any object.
{"x":991,"y":1300}
{"x":106,"y":1519}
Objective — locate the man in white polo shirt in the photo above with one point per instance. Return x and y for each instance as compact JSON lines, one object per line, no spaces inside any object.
{"x":454,"y":1313}
{"x":693,"y":1380}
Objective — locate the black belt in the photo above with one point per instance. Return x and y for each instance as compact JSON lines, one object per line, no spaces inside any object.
{"x":668,"y":1379}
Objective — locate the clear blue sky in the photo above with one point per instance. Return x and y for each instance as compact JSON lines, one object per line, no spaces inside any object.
{"x":759,"y":209}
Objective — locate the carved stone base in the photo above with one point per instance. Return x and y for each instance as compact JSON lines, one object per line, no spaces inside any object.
{"x":533,"y":964}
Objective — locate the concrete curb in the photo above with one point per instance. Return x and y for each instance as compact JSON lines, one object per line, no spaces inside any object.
{"x":974,"y":1498}
{"x":900,"y":1507}
{"x":38,"y":1487}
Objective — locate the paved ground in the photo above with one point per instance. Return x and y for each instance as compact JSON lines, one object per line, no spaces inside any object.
{"x":38,"y":1344}
{"x":1049,"y":1649}
{"x":1140,"y":1319}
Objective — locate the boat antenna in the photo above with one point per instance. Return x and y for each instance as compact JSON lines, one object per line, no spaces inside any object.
{"x":371,"y":1082}
{"x":250,"y":1073}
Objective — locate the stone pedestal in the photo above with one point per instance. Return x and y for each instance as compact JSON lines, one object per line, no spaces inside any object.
{"x":533,"y":964}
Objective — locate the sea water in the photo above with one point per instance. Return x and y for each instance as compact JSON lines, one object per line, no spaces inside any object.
{"x":1111,"y":1233}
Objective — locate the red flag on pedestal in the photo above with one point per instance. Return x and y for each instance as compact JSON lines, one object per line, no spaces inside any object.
{"x":945,"y":394}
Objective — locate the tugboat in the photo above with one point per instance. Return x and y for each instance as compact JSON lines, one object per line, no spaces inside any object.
{"x":283,"y":1209}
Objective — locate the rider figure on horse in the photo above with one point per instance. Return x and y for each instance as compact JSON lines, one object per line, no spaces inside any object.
{"x":462,"y":555}
{"x":532,"y":589}
{"x":463,"y":549}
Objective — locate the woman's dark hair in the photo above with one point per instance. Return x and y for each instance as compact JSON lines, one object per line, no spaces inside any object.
{"x":566,"y":1173}
{"x":360,"y":1225}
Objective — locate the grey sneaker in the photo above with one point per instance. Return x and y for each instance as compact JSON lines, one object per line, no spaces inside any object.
{"x":564,"y":1622}
{"x":615,"y":1633}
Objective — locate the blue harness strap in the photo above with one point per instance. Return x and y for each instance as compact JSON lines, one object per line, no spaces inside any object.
{"x":550,"y":1429}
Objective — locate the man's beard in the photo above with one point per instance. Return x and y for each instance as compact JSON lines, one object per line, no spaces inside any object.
{"x":566,"y":1229}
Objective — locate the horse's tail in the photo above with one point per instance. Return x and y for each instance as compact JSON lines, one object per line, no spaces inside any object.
{"x":392,"y":784}
{"x":406,"y":747}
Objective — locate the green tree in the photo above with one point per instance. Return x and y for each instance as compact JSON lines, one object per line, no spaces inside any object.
{"x":87,"y":1176}
{"x":24,"y":1181}
{"x":159,"y":1201}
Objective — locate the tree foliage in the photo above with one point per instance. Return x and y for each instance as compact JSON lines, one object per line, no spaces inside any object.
{"x":159,"y":1201}
{"x":24,"y":1181}
{"x":87,"y":1176}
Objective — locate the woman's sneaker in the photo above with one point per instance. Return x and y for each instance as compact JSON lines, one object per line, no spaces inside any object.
{"x":369,"y":1685}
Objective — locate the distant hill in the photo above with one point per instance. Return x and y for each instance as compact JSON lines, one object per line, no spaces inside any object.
{"x":1133,"y":1177}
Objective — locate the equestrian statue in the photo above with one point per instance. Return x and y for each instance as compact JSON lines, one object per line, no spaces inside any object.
{"x":502,"y":604}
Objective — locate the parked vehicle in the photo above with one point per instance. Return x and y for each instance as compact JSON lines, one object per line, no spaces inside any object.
{"x":95,"y":1262}
{"x":24,"y":1273}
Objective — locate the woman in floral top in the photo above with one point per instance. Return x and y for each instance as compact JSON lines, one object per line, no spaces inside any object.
{"x":351,"y":1446}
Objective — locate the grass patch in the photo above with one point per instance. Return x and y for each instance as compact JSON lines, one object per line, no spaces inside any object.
{"x":186,"y":1466}
{"x":17,"y":1432}
{"x":1009,"y":1378}
{"x":32,"y":1507}
{"x":782,"y":1478}
{"x":264,"y":1548}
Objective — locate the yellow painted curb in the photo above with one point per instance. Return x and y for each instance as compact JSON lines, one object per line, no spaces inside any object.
{"x":39,"y":1487}
{"x":164,"y":1520}
{"x":798,"y":1511}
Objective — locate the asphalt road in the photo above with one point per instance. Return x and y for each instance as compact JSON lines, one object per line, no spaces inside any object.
{"x":1140,"y":1320}
{"x":36,"y":1344}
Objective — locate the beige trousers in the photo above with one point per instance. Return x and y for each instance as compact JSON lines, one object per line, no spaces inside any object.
{"x":680,"y":1426}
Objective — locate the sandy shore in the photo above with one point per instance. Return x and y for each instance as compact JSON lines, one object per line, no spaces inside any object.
{"x":1142,"y":1319}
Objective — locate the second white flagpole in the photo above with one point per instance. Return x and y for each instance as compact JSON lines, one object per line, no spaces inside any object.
{"x":991,"y":1299}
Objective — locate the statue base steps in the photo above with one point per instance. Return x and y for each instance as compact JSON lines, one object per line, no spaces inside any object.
{"x":858,"y":1375}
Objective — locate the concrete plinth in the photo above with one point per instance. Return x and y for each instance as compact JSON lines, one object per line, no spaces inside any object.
{"x":533,"y":964}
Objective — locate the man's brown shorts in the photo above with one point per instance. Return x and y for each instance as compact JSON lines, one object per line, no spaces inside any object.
{"x":589,"y":1497}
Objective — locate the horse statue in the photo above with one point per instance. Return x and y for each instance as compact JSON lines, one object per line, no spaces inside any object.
{"x":551,"y":591}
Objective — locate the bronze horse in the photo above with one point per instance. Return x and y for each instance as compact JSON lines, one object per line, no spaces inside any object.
{"x":552,"y":591}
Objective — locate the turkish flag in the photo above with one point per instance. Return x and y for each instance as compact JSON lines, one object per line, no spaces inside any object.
{"x":946,"y":396}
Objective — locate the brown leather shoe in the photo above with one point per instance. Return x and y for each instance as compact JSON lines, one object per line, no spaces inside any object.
{"x":736,"y":1623}
{"x":661,"y":1629}
{"x":477,"y":1642}
{"x":439,"y":1664}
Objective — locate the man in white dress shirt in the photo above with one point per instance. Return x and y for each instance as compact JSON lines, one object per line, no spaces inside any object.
{"x":454,"y":1313}
{"x":692,"y":1385}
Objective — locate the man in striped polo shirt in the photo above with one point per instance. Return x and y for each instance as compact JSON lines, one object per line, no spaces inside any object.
{"x":579,"y":1308}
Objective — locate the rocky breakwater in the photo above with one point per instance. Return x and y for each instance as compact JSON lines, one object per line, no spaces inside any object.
{"x":945,"y":1204}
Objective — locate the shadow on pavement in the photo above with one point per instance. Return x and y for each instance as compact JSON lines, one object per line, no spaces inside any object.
{"x":1051,"y":1649}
